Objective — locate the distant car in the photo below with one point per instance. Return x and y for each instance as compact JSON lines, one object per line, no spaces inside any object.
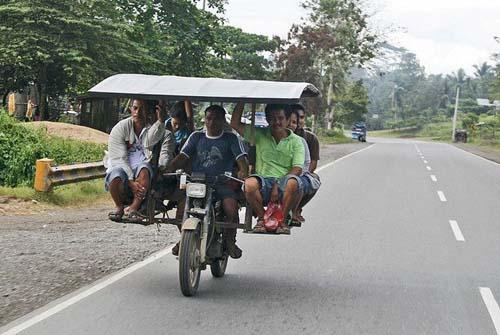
{"x":260,"y":120}
{"x":358,"y":131}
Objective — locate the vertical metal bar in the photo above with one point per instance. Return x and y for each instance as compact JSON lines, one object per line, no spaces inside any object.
{"x":248,"y":211}
{"x":454,"y":125}
{"x":252,"y":130}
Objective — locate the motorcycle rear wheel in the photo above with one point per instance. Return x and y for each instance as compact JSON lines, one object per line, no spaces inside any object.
{"x":218,"y":268}
{"x":189,"y":262}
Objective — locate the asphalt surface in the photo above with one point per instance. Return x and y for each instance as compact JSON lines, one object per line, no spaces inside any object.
{"x":377,"y":255}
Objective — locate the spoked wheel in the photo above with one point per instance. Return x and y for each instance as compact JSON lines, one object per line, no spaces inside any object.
{"x":218,"y":267}
{"x":189,"y":262}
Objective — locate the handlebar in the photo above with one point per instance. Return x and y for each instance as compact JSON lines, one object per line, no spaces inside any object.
{"x":230,"y":176}
{"x":225,"y":175}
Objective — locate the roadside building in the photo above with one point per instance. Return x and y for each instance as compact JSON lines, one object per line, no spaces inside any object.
{"x":100,"y":114}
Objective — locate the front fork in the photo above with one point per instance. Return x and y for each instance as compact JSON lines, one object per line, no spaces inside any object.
{"x":205,"y":223}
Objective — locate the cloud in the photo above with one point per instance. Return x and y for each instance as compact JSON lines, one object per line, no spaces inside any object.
{"x":444,"y":34}
{"x":442,"y":56}
{"x":266,"y":17}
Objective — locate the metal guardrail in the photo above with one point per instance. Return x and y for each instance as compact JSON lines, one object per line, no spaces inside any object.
{"x":47,"y":175}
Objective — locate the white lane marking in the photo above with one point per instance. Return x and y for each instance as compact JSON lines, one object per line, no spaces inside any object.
{"x":426,"y":162}
{"x":441,"y":196}
{"x":87,"y":292}
{"x":492,"y":306}
{"x":428,"y":168}
{"x":433,"y":177}
{"x":456,"y":230}
{"x":341,"y":158}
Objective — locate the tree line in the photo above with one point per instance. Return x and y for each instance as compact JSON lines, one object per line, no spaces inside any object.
{"x":402,"y":95}
{"x":64,"y":47}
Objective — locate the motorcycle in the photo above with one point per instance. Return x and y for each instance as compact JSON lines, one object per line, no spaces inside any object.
{"x":202,"y":240}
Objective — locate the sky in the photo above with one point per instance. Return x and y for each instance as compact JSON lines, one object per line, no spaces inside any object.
{"x":444,"y":34}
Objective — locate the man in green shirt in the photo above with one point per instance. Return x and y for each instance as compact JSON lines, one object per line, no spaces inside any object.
{"x":280,"y":157}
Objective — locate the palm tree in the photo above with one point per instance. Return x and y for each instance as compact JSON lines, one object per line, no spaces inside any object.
{"x":482,"y":70}
{"x":483,"y":73}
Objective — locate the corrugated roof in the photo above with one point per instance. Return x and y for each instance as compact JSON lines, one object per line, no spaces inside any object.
{"x":154,"y":87}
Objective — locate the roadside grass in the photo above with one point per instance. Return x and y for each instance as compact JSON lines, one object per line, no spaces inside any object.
{"x":434,"y":131}
{"x":333,"y":137}
{"x":79,"y":194}
{"x":483,"y":137}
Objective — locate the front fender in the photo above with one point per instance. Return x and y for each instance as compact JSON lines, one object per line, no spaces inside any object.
{"x":191,"y":224}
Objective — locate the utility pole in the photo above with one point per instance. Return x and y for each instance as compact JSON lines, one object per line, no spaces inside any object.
{"x":455,"y":115}
{"x":204,"y":2}
{"x":393,"y":103}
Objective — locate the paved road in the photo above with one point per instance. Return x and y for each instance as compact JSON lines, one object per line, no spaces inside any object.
{"x":378,"y":255}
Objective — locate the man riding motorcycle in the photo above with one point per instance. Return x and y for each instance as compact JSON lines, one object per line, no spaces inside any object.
{"x":213,"y":152}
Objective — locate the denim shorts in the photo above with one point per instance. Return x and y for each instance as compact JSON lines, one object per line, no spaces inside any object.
{"x":119,"y":172}
{"x":266,"y":186}
{"x":306,"y":185}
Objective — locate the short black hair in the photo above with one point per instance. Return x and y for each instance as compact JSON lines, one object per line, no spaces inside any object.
{"x":274,"y":107}
{"x":298,"y":107}
{"x":289,"y":111}
{"x":178,"y":111}
{"x":218,"y":110}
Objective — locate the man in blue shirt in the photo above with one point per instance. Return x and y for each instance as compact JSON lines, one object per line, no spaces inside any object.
{"x":214,"y":152}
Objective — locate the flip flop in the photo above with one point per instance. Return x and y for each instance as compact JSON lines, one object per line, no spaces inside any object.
{"x":259,"y":228}
{"x":115,"y":216}
{"x":283,"y":229}
{"x":134,"y":217}
{"x":294,"y":222}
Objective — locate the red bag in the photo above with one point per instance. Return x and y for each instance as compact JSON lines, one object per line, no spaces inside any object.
{"x":273,"y":217}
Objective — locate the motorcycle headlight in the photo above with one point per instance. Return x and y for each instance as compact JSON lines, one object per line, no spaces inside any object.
{"x":195,"y":190}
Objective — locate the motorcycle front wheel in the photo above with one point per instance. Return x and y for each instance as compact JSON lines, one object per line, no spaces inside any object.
{"x":189,"y":262}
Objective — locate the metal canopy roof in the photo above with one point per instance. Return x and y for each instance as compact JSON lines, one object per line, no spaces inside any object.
{"x":154,"y":87}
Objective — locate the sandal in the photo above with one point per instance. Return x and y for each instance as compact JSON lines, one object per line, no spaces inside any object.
{"x":259,"y":227}
{"x":283,"y":229}
{"x":175,"y":249}
{"x":134,"y":217}
{"x":294,"y":222}
{"x":115,"y":216}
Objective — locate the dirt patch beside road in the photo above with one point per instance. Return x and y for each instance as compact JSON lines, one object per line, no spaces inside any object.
{"x":70,"y":131}
{"x":48,"y":255}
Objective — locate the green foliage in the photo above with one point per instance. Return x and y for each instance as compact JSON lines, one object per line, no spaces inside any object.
{"x":400,"y":90}
{"x":73,"y":194}
{"x":20,"y":147}
{"x":243,"y":56}
{"x":334,"y":38}
{"x":63,"y":46}
{"x":469,"y":120}
{"x":353,"y":103}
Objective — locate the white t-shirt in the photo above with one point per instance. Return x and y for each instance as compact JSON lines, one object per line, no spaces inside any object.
{"x":136,"y":153}
{"x":307,"y":157}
